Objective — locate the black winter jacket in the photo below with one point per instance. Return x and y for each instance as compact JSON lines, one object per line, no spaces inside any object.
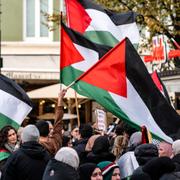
{"x":176,"y":161}
{"x":27,"y":163}
{"x":57,"y":170}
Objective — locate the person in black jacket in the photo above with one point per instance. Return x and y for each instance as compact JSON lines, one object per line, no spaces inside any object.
{"x":29,"y":161}
{"x":86,"y":131}
{"x":144,"y":153}
{"x":63,"y":166}
{"x":176,"y":154}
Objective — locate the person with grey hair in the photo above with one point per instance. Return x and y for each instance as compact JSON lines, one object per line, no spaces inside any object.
{"x":63,"y":166}
{"x":30,"y":160}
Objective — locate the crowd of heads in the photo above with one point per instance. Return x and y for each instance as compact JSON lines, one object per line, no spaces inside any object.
{"x":88,"y":154}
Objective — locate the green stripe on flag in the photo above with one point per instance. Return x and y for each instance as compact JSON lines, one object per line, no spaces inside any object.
{"x":93,"y":91}
{"x":104,"y":38}
{"x":4,"y":155}
{"x":4,"y":120}
{"x":101,"y":37}
{"x":69,"y":74}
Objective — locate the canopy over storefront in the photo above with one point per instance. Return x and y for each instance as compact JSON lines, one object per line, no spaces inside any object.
{"x":48,"y":116}
{"x":51,"y":92}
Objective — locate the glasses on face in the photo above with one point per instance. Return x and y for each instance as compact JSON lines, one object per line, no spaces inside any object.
{"x":96,"y":174}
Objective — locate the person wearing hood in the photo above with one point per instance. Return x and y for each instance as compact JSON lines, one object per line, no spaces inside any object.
{"x":110,"y":170}
{"x":90,"y":171}
{"x":29,"y":161}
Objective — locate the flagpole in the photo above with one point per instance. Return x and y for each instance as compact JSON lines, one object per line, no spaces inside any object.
{"x":175,"y":43}
{"x":77,"y":109}
{"x":61,"y":16}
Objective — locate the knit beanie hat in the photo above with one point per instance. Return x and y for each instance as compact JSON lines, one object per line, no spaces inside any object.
{"x":176,"y":147}
{"x":86,"y":170}
{"x":107,"y":168}
{"x":30,"y":133}
{"x":68,"y":156}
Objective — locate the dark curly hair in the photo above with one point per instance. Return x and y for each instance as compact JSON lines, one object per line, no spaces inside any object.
{"x":4,"y":134}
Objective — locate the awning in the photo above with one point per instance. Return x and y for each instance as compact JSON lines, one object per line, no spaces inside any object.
{"x":51,"y":92}
{"x":48,"y":116}
{"x":31,"y":67}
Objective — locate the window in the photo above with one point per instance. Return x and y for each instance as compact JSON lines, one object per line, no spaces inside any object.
{"x":34,"y":29}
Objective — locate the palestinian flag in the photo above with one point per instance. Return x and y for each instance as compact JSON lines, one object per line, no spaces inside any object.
{"x":160,"y":85}
{"x":101,"y":25}
{"x":78,"y":54}
{"x":14,"y":103}
{"x":121,"y":83}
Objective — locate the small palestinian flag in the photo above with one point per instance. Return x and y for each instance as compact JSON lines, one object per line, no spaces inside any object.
{"x":15,"y":105}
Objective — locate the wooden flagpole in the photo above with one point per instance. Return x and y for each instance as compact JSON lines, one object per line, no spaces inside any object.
{"x":77,"y":109}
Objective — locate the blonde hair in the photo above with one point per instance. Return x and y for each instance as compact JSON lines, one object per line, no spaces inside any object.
{"x":120,"y":143}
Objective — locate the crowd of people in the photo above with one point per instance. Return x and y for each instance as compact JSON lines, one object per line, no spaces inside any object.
{"x":43,"y":151}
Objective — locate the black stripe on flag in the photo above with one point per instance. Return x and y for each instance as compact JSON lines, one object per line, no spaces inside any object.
{"x":11,"y":87}
{"x":117,"y":18}
{"x":78,"y":39}
{"x":163,"y":113}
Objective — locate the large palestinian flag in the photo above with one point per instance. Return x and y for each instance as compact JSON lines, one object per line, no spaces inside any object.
{"x":14,"y":103}
{"x":101,"y":25}
{"x":121,"y":83}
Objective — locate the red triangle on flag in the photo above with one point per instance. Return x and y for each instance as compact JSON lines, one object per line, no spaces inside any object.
{"x":69,"y":53}
{"x":109,"y":73}
{"x":78,"y":18}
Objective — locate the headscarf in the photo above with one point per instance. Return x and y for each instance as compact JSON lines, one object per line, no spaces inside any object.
{"x":107,"y":168}
{"x":69,"y":156}
{"x":86,"y":170}
{"x":135,"y":139}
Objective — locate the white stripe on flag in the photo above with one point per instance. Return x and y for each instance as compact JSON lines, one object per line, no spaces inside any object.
{"x":138,"y":112}
{"x":131,"y":31}
{"x":90,"y":58}
{"x":102,"y":22}
{"x":13,"y":108}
